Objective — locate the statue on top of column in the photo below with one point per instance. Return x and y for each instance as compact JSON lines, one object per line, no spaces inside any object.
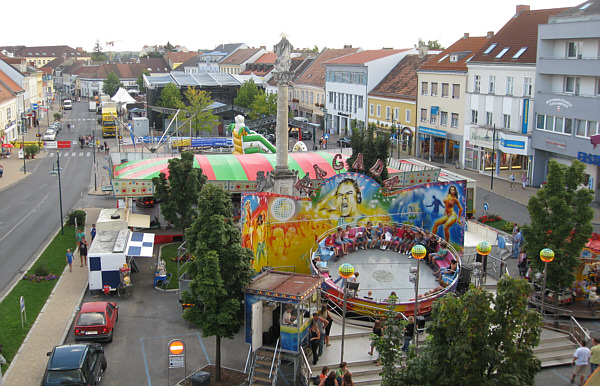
{"x":283,"y":49}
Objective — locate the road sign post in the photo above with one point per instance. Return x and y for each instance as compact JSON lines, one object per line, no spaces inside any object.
{"x":176,"y":351}
{"x":23,"y":312}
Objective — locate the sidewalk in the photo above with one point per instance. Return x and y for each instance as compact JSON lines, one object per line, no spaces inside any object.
{"x":53,"y":323}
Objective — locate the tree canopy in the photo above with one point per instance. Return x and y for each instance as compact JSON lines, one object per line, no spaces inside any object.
{"x":263,"y":105}
{"x":198,"y":108}
{"x":111,"y":84}
{"x":220,"y":270}
{"x":97,"y":54}
{"x":432,"y":44}
{"x":372,"y":149}
{"x":246,"y":94}
{"x":477,"y":339}
{"x":561,"y":218}
{"x":179,"y":193}
{"x":140,"y":81}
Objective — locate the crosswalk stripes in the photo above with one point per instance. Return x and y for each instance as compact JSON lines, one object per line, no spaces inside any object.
{"x":71,"y":154}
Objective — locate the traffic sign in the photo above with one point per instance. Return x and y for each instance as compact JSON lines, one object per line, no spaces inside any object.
{"x":34,"y":106}
{"x":176,"y":362}
{"x":176,"y":347}
{"x":486,"y":206}
{"x":326,"y":136}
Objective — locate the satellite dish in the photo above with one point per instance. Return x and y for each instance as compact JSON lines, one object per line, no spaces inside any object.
{"x":299,"y":146}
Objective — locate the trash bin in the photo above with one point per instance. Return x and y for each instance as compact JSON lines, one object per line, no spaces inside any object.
{"x":200,"y":378}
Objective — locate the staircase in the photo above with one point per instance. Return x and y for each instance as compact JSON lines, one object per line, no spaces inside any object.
{"x":555,"y":348}
{"x":265,"y":366}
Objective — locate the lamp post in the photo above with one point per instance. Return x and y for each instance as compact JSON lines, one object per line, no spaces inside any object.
{"x":483,"y":248}
{"x":493,"y":158}
{"x":57,"y":171}
{"x":418,"y":252}
{"x":23,"y":148}
{"x":346,"y":271}
{"x":95,"y":166}
{"x":547,"y":255}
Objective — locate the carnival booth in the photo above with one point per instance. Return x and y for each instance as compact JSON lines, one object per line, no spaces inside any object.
{"x":112,"y":250}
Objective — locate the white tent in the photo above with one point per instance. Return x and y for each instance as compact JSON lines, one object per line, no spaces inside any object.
{"x":122,"y":96}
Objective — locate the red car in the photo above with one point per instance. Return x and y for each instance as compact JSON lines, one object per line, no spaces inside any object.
{"x":96,"y":321}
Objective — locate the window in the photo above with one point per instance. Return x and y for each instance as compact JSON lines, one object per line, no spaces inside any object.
{"x":454,"y":122}
{"x":490,"y":48}
{"x":455,"y":91}
{"x":574,"y":50}
{"x":489,"y":118}
{"x":445,"y":88}
{"x":434,"y":89}
{"x":396,"y":113}
{"x":549,"y":123}
{"x":423,"y":115}
{"x":510,"y":85}
{"x":572,"y":85}
{"x":443,"y":57}
{"x":477,"y":83}
{"x":568,"y":126}
{"x":540,"y":123}
{"x":432,"y":116}
{"x":388,"y":113}
{"x":378,"y":110}
{"x":360,"y":101}
{"x":311,"y":97}
{"x":519,"y":53}
{"x":444,"y":118}
{"x":585,"y":128}
{"x":331,"y":98}
{"x":371,"y":107}
{"x":528,"y":86}
{"x":474,"y":114}
{"x":424,"y":88}
{"x":492,"y":84}
{"x":506,"y":121}
{"x":501,"y":53}
{"x":407,"y":115}
{"x":597,"y":86}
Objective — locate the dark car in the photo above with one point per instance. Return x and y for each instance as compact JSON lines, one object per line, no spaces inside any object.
{"x":271,"y":138}
{"x":145,"y":202}
{"x":75,"y":364}
{"x":96,"y":321}
{"x":344,"y":142}
{"x":306,"y":134}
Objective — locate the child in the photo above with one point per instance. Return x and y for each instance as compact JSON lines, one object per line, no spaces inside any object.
{"x":409,"y":235}
{"x":399,"y":237}
{"x":386,"y":240}
{"x":375,"y":235}
{"x":370,"y":233}
{"x":360,"y":241}
{"x":346,"y":238}
{"x":330,"y":243}
{"x":440,"y":254}
{"x":417,"y":240}
{"x":339,"y":236}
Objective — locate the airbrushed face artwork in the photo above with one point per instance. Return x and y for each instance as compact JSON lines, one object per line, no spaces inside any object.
{"x":282,"y":230}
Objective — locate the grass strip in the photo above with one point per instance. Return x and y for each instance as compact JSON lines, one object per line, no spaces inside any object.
{"x":168,"y":252}
{"x":35,"y":294}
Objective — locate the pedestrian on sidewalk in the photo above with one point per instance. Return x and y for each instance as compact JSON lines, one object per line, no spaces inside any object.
{"x":83,"y":248}
{"x":524,"y":180}
{"x":70,"y":260}
{"x":93,"y":231}
{"x":80,"y":235}
{"x":517,"y":241}
{"x":512,"y":181}
{"x":595,"y":355}
{"x":321,"y":324}
{"x":581,"y":358}
{"x":1,"y":171}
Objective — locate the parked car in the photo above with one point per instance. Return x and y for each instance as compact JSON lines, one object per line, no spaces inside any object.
{"x":145,"y":202}
{"x":75,"y":364}
{"x":96,"y":321}
{"x":56,"y":126}
{"x":49,"y":135}
{"x":344,"y":142}
{"x":306,"y":134}
{"x":271,"y":138}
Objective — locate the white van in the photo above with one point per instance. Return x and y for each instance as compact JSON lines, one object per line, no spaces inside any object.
{"x":301,"y":119}
{"x":67,"y":104}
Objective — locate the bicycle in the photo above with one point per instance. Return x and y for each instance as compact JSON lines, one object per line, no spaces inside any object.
{"x":125,"y":290}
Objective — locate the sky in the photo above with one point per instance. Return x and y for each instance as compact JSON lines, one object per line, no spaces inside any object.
{"x":204,"y":24}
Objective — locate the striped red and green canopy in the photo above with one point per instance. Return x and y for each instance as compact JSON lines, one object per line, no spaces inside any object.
{"x":231,"y":167}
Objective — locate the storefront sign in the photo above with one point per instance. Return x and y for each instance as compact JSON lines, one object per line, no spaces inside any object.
{"x":588,"y":158}
{"x":436,"y":132}
{"x":559,"y":144}
{"x":509,"y":144}
{"x":525,"y":124}
{"x":435,"y":110}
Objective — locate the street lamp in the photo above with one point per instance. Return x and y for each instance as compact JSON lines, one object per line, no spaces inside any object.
{"x":418,"y":252}
{"x":57,"y":171}
{"x":346,"y":271}
{"x":494,"y":158}
{"x":483,"y":248}
{"x":547,"y":255}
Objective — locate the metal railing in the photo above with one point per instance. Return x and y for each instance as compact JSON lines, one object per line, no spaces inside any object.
{"x":577,"y":331}
{"x":305,"y":367}
{"x":248,"y":359}
{"x":275,"y":355}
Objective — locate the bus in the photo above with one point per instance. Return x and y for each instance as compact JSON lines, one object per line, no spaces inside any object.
{"x":109,"y":122}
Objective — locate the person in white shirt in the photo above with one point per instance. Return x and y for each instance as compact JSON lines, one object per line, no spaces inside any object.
{"x":581,"y":359}
{"x":288,"y":318}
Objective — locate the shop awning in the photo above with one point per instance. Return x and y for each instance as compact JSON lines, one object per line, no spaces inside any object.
{"x":140,"y":244}
{"x":138,"y":220}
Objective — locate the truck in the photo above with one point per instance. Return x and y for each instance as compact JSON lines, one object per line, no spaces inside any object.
{"x":67,"y":104}
{"x":109,"y":122}
{"x":92,"y":105}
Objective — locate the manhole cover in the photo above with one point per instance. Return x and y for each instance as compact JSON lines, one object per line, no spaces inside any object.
{"x":383,"y":276}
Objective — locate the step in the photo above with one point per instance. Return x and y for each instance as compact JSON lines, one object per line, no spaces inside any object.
{"x":261,"y":378}
{"x":263,"y":370}
{"x":560,"y":357}
{"x":355,"y":368}
{"x":264,"y":362}
{"x":554,"y":345}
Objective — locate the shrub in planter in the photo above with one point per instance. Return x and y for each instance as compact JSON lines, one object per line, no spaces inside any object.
{"x":41,"y":269}
{"x":508,"y":227}
{"x":31,"y":150}
{"x":79,"y":214}
{"x":489,"y":218}
{"x":57,"y":116}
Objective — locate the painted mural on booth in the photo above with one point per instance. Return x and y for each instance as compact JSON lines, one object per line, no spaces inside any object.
{"x":282,"y":230}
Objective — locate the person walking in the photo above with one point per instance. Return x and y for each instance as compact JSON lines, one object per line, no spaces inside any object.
{"x":1,"y":171}
{"x":315,"y":337}
{"x":83,"y":248}
{"x":524,"y":180}
{"x":70,"y":260}
{"x":324,"y":313}
{"x":595,"y":355}
{"x":517,"y":241}
{"x":93,"y":231}
{"x":409,"y":333}
{"x":581,"y":358}
{"x":512,"y":181}
{"x":321,"y":324}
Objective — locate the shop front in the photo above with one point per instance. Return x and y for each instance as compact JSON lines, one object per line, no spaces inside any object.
{"x":439,"y":145}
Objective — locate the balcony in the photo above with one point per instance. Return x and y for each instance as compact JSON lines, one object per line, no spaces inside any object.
{"x":563,"y":66}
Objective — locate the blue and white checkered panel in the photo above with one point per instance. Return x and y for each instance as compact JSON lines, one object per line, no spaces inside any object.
{"x":140,"y":244}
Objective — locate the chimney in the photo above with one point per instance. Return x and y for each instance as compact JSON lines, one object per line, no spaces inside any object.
{"x":263,"y":47}
{"x":347,"y":45}
{"x":490,"y":34}
{"x":521,"y":8}
{"x":466,"y":35}
{"x":423,"y":50}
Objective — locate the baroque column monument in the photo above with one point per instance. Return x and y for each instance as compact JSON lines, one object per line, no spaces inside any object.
{"x":284,"y":178}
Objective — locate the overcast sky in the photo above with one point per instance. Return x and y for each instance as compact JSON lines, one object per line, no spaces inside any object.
{"x":204,"y":24}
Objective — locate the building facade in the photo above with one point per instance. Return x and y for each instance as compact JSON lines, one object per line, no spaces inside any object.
{"x":567,"y":110}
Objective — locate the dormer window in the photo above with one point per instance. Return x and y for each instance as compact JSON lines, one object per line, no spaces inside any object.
{"x":490,"y":48}
{"x":519,"y":53}
{"x":501,"y":53}
{"x":453,"y":58}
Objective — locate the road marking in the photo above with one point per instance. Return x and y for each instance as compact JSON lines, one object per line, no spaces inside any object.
{"x":51,"y":154}
{"x":81,"y":154}
{"x":73,"y":154}
{"x":88,"y":154}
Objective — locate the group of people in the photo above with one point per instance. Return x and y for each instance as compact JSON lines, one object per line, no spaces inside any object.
{"x":583,"y":357}
{"x":83,"y":245}
{"x":320,"y":329}
{"x":340,"y":377}
{"x":512,"y":180}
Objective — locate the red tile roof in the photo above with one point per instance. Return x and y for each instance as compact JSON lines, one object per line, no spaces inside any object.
{"x":268,"y":58}
{"x":8,"y":82}
{"x":123,"y":70}
{"x":401,"y":81}
{"x":8,"y":88}
{"x":466,"y":46}
{"x":180,"y":57}
{"x":315,"y":73}
{"x":240,"y":56}
{"x":520,"y":31}
{"x":364,"y":56}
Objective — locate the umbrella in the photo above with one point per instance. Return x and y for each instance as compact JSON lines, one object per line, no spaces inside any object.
{"x":8,"y":145}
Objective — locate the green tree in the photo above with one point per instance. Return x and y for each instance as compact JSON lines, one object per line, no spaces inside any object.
{"x":432,"y":44}
{"x":97,"y":54}
{"x":388,"y":345}
{"x":169,"y":47}
{"x":479,"y":339}
{"x":246,"y":94}
{"x":219,"y":272}
{"x":372,"y":149}
{"x":263,"y":105}
{"x":140,"y":81}
{"x":561,"y":218}
{"x":315,"y":49}
{"x":112,"y":83}
{"x":198,"y":108}
{"x":170,"y":97}
{"x":179,"y":193}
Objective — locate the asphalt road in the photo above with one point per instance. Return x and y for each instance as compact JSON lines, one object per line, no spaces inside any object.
{"x":30,"y":212}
